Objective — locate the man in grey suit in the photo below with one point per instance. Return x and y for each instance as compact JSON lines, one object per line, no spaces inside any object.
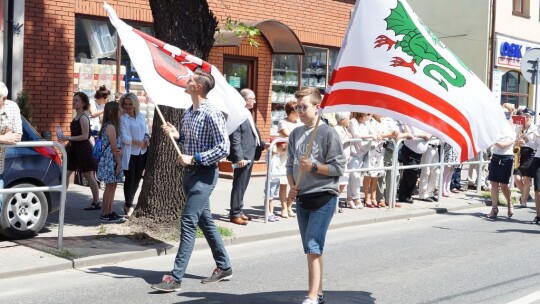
{"x":244,"y":141}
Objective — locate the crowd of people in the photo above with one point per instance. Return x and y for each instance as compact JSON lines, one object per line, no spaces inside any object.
{"x":366,"y":145}
{"x":367,"y":150}
{"x":123,"y":134}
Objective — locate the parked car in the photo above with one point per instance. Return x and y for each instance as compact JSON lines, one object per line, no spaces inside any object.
{"x":24,"y":214}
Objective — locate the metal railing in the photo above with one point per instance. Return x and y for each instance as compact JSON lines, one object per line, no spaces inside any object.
{"x":58,"y":188}
{"x":393,"y":168}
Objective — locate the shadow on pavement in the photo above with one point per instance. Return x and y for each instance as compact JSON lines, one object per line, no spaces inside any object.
{"x":349,"y":297}
{"x":153,"y":277}
{"x":95,"y":245}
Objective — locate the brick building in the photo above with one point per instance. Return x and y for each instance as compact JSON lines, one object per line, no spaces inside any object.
{"x":57,"y":38}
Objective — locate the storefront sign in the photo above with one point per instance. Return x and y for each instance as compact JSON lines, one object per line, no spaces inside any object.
{"x":234,"y":81}
{"x":510,"y":51}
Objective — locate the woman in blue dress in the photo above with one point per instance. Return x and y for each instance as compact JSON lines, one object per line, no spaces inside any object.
{"x":110,"y":163}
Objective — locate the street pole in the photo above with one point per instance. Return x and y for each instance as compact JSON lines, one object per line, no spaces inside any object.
{"x":536,"y":88}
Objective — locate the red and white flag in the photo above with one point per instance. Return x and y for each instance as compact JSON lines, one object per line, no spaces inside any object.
{"x":391,"y":64}
{"x":165,"y":69}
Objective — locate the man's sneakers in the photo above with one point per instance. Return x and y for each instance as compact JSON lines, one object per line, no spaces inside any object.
{"x":168,"y":284}
{"x":112,"y":218}
{"x":218,"y":275}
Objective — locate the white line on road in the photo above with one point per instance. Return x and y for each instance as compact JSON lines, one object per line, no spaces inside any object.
{"x":527,"y":299}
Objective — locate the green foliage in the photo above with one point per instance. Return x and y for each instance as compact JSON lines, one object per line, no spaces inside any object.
{"x":502,"y":201}
{"x":102,"y":230}
{"x":239,"y":29}
{"x":223,"y":231}
{"x":64,"y":253}
{"x":486,"y":194}
{"x":23,"y":100}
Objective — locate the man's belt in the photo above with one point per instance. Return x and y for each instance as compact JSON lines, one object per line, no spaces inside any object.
{"x":197,"y":168}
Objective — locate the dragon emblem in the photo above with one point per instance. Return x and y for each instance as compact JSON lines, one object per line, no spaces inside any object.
{"x":418,"y":47}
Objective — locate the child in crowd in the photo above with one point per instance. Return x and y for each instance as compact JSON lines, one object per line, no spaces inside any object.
{"x":276,"y":168}
{"x":110,"y":163}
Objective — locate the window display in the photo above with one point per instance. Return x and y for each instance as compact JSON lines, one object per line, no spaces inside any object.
{"x":314,"y":67}
{"x":95,"y":57}
{"x":291,"y":72}
{"x":285,"y":80}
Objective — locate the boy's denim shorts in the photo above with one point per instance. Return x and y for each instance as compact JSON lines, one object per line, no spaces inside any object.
{"x":274,"y":189}
{"x":314,"y":224}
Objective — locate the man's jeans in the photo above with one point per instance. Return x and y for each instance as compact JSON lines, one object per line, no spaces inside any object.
{"x":198,"y":185}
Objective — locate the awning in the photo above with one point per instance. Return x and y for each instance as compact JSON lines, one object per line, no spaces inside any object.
{"x":281,"y":38}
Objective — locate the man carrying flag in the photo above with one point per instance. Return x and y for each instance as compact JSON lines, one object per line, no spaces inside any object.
{"x":205,"y":142}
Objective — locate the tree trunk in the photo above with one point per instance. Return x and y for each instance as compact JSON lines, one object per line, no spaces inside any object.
{"x":189,"y":25}
{"x":161,"y":197}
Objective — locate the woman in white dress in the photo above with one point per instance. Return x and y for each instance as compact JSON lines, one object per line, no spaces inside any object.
{"x":359,"y":128}
{"x":343,"y":119}
{"x":375,"y":160}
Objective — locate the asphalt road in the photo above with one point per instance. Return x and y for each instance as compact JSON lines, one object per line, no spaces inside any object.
{"x":448,"y":258}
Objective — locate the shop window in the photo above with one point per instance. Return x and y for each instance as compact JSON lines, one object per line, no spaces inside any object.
{"x":94,"y":40}
{"x":96,"y":43}
{"x":290,"y":72}
{"x":521,"y":8}
{"x":285,"y":81}
{"x":314,"y":67}
{"x":332,"y":58}
{"x":515,"y":89}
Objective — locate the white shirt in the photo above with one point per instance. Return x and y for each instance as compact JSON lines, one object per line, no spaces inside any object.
{"x":529,"y":133}
{"x":344,"y":135}
{"x":508,"y":133}
{"x":10,"y":120}
{"x":132,"y":128}
{"x":360,"y":130}
{"x":284,"y":124}
{"x":417,"y":145}
{"x":95,"y":122}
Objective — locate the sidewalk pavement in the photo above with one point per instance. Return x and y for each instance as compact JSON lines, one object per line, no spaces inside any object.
{"x":93,"y":244}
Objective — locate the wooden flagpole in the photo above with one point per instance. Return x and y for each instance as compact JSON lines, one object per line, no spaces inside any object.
{"x":308,"y":151}
{"x":170,"y":135}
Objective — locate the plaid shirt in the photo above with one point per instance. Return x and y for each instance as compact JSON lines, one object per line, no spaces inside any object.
{"x":10,"y":120}
{"x":204,"y":133}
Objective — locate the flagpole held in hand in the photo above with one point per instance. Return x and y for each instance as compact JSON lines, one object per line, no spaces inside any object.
{"x":170,"y":135}
{"x":308,"y":151}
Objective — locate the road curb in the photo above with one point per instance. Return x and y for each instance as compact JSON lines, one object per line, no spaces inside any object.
{"x":61,"y":265}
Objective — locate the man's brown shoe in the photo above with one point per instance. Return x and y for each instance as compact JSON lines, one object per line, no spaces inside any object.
{"x":238,"y":221}
{"x":246,"y":217}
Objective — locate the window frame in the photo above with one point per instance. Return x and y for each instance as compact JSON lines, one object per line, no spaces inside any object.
{"x":505,"y":94}
{"x":524,"y":9}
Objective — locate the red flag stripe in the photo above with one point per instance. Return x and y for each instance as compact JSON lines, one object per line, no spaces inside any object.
{"x":181,"y":58}
{"x":366,"y":75}
{"x":392,"y":103}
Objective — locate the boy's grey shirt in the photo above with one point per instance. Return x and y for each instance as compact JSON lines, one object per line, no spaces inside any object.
{"x":327,"y":150}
